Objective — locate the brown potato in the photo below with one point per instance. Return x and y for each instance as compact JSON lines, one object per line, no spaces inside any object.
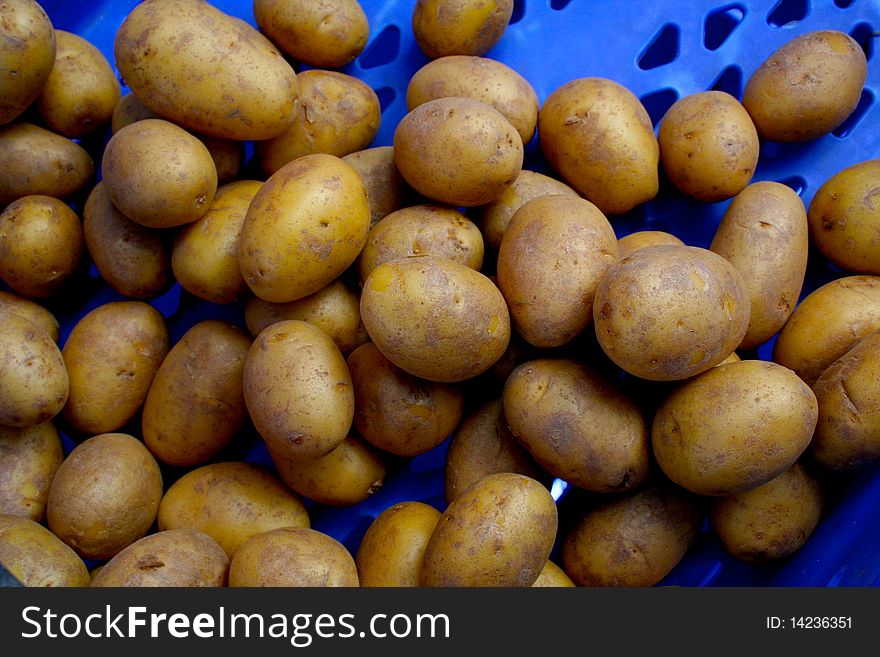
{"x":552,"y":576}
{"x":386,"y":188}
{"x":629,"y":244}
{"x":459,"y":27}
{"x":27,"y":54}
{"x":29,"y":457}
{"x":130,"y":110}
{"x":36,"y":557}
{"x":31,"y":311}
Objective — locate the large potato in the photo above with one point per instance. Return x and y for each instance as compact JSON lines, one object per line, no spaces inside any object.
{"x":386,"y":188}
{"x":629,"y":244}
{"x":31,"y":311}
{"x":459,"y":27}
{"x":27,"y":55}
{"x":29,"y":457}
{"x":36,"y":557}
{"x":206,"y":71}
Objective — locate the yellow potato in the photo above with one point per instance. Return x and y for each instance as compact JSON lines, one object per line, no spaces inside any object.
{"x":27,"y":55}
{"x":29,"y":457}
{"x":459,"y":27}
{"x":130,"y":110}
{"x":36,"y":557}
{"x":31,"y":311}
{"x":386,"y":188}
{"x":552,"y":576}
{"x":629,"y":244}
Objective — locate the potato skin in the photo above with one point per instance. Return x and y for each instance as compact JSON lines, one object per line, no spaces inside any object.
{"x":230,"y":502}
{"x":28,"y":51}
{"x":31,"y":311}
{"x":29,"y":457}
{"x":105,"y":495}
{"x":112,"y":355}
{"x":206,"y":71}
{"x":552,"y":576}
{"x":393,"y":549}
{"x":807,"y":87}
{"x":435,"y":318}
{"x":499,"y":532}
{"x":36,"y":557}
{"x":386,"y":188}
{"x":764,"y":424}
{"x":459,"y":27}
{"x":629,"y":244}
{"x":764,"y":235}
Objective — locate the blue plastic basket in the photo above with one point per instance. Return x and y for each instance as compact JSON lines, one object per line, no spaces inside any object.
{"x":661,"y":51}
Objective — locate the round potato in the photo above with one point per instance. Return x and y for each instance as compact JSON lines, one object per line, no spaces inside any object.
{"x":459,"y":27}
{"x":734,"y":427}
{"x":686,"y":326}
{"x":386,"y":188}
{"x":435,"y":318}
{"x":112,"y":355}
{"x":599,"y":137}
{"x":552,"y":576}
{"x":304,"y":227}
{"x":31,"y":311}
{"x":105,"y":495}
{"x":807,"y":87}
{"x":230,"y":502}
{"x":393,"y":549}
{"x":29,"y":457}
{"x":498,"y":532}
{"x":36,"y":557}
{"x":27,"y":55}
{"x":458,"y":151}
{"x":293,"y":557}
{"x":629,"y":244}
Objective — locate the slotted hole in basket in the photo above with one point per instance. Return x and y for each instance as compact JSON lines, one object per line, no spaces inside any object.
{"x":787,"y":12}
{"x":843,"y":4}
{"x":384,"y":49}
{"x":730,"y":80}
{"x":662,"y":48}
{"x":386,"y":97}
{"x":845,"y":128}
{"x":519,"y":8}
{"x":657,"y":102}
{"x":559,"y":4}
{"x":797,"y":183}
{"x":720,"y":24}
{"x":864,"y":35}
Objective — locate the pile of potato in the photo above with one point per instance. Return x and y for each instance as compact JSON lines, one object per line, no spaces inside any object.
{"x":392,"y":297}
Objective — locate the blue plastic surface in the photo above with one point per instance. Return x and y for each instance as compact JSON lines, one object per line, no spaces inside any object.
{"x":661,"y":50}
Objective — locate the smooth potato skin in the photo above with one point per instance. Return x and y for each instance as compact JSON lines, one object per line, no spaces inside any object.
{"x":459,"y":27}
{"x":552,"y":576}
{"x":764,"y":424}
{"x":36,"y":557}
{"x":27,"y":56}
{"x":764,"y":235}
{"x":29,"y":457}
{"x":386,"y":188}
{"x":31,"y":311}
{"x":130,"y":110}
{"x":629,"y":244}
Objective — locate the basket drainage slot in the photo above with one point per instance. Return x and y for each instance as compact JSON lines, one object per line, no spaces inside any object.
{"x":845,"y":128}
{"x":383,"y":50}
{"x":662,"y":49}
{"x":720,"y":24}
{"x":730,"y":80}
{"x":787,"y":12}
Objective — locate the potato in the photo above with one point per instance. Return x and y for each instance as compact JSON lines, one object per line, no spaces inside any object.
{"x":348,"y":475}
{"x":178,"y":558}
{"x":393,"y":549}
{"x":386,"y":188}
{"x":337,"y":114}
{"x":112,"y":355}
{"x":633,"y":541}
{"x":105,"y":495}
{"x":599,"y":137}
{"x":293,"y":556}
{"x":37,"y":161}
{"x":327,"y":33}
{"x":457,"y":151}
{"x":434,"y":318}
{"x":34,"y":383}
{"x":577,"y":425}
{"x":732,"y":358}
{"x":629,"y":244}
{"x":130,"y":110}
{"x":27,"y":55}
{"x":678,"y":329}
{"x":206,"y":71}
{"x":483,"y":445}
{"x":770,"y":522}
{"x":396,"y":411}
{"x":82,"y":91}
{"x":498,"y":532}
{"x":131,"y":258}
{"x":553,"y":255}
{"x":304,"y":227}
{"x":230,"y":502}
{"x":734,"y":427}
{"x":459,"y":27}
{"x":335,"y":309}
{"x":552,"y":576}
{"x":29,"y":457}
{"x":843,"y":219}
{"x":827,"y":323}
{"x":482,"y":79}
{"x":31,"y":311}
{"x":158,"y":174}
{"x":36,"y":557}
{"x":298,"y":390}
{"x":708,"y":145}
{"x":807,"y":87}
{"x":422,"y":230}
{"x":205,"y":254}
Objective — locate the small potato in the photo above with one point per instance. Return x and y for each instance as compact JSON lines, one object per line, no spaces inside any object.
{"x":112,"y":355}
{"x":31,"y":311}
{"x":27,"y":55}
{"x":732,"y":358}
{"x":337,"y":114}
{"x":458,"y":151}
{"x":734,"y":427}
{"x":629,"y":244}
{"x":386,"y":188}
{"x":82,"y":91}
{"x":552,"y":576}
{"x":34,"y":383}
{"x":230,"y":502}
{"x":105,"y":495}
{"x":807,"y":87}
{"x":708,"y":145}
{"x":29,"y":457}
{"x":36,"y":557}
{"x":459,"y":27}
{"x":293,"y":557}
{"x":158,"y":174}
{"x":763,"y":234}
{"x":131,"y":258}
{"x":635,"y":540}
{"x":435,"y":318}
{"x":178,"y":558}
{"x":553,"y":255}
{"x":205,"y":254}
{"x":422,"y":230}
{"x":41,"y":245}
{"x":499,"y":532}
{"x":393,"y":549}
{"x":130,"y":110}
{"x":770,"y":522}
{"x":396,"y":411}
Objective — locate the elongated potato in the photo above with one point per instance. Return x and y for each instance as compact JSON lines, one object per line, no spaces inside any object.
{"x":29,"y":457}
{"x":31,"y":311}
{"x":27,"y":55}
{"x":36,"y":557}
